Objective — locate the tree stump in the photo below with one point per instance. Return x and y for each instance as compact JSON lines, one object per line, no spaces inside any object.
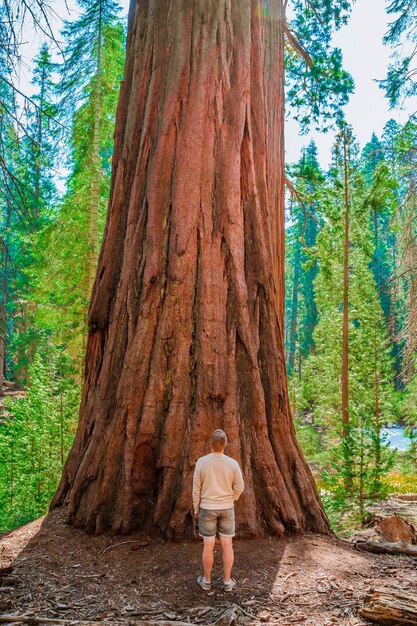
{"x":395,"y":528}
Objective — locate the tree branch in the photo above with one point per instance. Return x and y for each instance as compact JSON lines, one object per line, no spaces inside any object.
{"x":297,"y":47}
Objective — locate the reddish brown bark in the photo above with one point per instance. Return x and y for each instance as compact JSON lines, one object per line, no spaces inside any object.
{"x":185,"y":334}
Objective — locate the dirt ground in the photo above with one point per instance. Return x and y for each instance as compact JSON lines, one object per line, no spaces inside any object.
{"x":60,"y":573}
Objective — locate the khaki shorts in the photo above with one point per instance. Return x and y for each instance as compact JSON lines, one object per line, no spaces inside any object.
{"x":220,"y":521}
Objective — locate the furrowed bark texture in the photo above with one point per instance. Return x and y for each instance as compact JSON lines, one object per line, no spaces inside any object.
{"x":185,"y":333}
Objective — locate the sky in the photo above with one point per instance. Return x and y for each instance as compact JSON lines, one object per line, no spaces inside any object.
{"x":364,"y":54}
{"x":366,"y":58}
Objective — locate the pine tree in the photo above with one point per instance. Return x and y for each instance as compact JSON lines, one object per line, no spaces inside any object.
{"x":405,"y":277}
{"x":9,"y":201}
{"x":39,"y":147}
{"x":93,"y":43}
{"x":376,"y":164}
{"x":35,"y":172}
{"x":66,"y":265}
{"x":35,"y":434}
{"x":347,"y":381}
{"x":301,"y":311}
{"x":401,"y":79}
{"x":52,"y":247}
{"x":317,"y":84}
{"x":401,"y":83}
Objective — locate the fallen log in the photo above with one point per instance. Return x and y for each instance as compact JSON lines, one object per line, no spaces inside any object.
{"x":386,"y":547}
{"x":386,"y":607}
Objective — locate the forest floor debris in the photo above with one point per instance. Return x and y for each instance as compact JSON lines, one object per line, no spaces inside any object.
{"x":404,"y":505}
{"x":63,"y":575}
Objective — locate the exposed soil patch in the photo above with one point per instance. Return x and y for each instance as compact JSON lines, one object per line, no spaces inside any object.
{"x":404,"y":505}
{"x":61,"y":573}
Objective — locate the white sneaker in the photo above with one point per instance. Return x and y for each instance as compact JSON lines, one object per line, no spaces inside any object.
{"x":230,"y":585}
{"x":203,"y":584}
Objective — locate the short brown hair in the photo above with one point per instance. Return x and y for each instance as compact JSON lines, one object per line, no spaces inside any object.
{"x":218,"y":440}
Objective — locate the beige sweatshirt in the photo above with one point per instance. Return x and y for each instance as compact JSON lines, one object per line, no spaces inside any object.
{"x":217,"y":482}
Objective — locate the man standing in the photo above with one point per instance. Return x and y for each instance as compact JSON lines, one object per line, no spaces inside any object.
{"x":217,"y":484}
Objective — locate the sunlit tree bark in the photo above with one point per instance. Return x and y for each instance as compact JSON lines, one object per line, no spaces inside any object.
{"x":186,"y":317}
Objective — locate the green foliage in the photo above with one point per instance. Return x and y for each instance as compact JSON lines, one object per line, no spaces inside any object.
{"x":310,"y":438}
{"x":301,"y":264}
{"x":360,"y":459}
{"x":50,"y":252}
{"x":357,"y":457}
{"x":401,"y":79}
{"x":317,"y":84}
{"x":36,"y":432}
{"x":31,"y":207}
{"x":59,"y":274}
{"x":83,"y":39}
{"x":401,"y":481}
{"x":409,"y":412}
{"x":39,"y":147}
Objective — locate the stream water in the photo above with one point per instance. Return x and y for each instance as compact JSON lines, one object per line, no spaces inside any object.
{"x":395,"y":437}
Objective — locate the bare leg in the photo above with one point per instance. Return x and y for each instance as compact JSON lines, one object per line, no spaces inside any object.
{"x":228,"y":556}
{"x":208,"y":557}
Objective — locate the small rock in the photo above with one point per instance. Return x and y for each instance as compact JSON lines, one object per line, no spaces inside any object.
{"x":264,"y":616}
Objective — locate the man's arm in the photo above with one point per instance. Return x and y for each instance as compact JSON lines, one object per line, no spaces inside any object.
{"x":238,"y":484}
{"x":196,"y":488}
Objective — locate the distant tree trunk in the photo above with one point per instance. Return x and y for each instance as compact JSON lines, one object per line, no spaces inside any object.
{"x":186,"y":317}
{"x":3,"y":327}
{"x":310,"y":321}
{"x":377,"y":410}
{"x":39,"y":155}
{"x":345,"y":330}
{"x":294,"y":308}
{"x":94,"y":202}
{"x":376,"y":254}
{"x":4,"y":275}
{"x":410,"y":262}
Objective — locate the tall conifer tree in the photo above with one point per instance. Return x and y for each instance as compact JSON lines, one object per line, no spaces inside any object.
{"x":70,"y":244}
{"x":347,"y":382}
{"x":304,"y":218}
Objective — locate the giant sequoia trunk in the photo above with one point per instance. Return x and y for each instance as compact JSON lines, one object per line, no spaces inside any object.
{"x":186,"y":317}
